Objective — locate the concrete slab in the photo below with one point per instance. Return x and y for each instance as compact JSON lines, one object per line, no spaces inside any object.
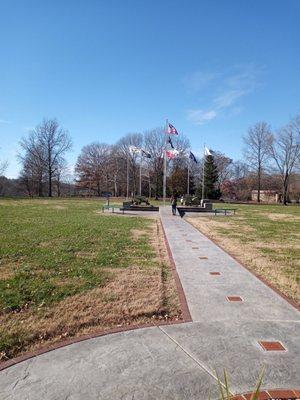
{"x":140,"y":364}
{"x":233,"y":345}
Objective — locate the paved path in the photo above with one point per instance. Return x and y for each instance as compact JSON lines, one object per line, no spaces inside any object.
{"x":177,"y":361}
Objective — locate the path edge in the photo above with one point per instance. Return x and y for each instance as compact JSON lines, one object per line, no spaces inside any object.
{"x":182,"y":299}
{"x":242,"y":264}
{"x":186,"y":317}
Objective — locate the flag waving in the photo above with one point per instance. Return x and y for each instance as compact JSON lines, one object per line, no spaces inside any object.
{"x":134,"y":150}
{"x":170,"y":142}
{"x":208,"y":152}
{"x":171,"y":154}
{"x":193,"y":158}
{"x":145,"y":153}
{"x":172,"y":130}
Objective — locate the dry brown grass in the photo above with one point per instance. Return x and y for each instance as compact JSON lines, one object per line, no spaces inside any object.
{"x":232,"y":236}
{"x":132,"y":296}
{"x":282,"y":217}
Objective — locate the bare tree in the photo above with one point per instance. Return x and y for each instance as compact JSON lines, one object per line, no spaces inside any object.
{"x":3,"y":166}
{"x":154,"y":145}
{"x":44,"y":152}
{"x":223,"y":164}
{"x":285,"y":152}
{"x":61,"y":174}
{"x":257,"y":141}
{"x":55,"y":142}
{"x":133,"y":158}
{"x":239,"y":169}
{"x":33,"y":165}
{"x":92,"y":167}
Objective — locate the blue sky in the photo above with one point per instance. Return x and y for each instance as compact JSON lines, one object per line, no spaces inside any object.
{"x":107,"y":68}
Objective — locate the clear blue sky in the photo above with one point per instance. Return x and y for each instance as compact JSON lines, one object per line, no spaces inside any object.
{"x":106,"y":68}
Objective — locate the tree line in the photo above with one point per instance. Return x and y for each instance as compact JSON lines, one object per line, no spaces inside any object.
{"x":134,"y":165}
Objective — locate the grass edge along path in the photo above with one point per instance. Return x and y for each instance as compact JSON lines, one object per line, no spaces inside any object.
{"x":137,"y":285}
{"x":264,"y":238}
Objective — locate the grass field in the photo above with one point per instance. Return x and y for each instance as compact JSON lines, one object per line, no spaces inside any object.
{"x":66,"y":269}
{"x":266,"y":238}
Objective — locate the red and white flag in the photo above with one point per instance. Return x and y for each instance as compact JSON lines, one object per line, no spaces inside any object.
{"x":171,"y":154}
{"x":172,"y":130}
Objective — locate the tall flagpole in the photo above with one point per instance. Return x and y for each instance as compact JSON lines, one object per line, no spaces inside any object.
{"x":127,"y":181}
{"x":165,"y":167}
{"x":140,"y":189}
{"x":188,"y":178}
{"x":203,"y":172}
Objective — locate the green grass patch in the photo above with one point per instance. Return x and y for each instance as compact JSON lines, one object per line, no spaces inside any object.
{"x":57,"y":252}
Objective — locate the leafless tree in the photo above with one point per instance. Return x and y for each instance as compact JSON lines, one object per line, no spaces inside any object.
{"x":61,"y":174}
{"x":223,"y":164}
{"x":133,"y":159}
{"x":92,"y":167}
{"x":44,"y":152}
{"x":55,"y":142}
{"x":33,"y":170}
{"x":239,"y":170}
{"x":155,"y":140}
{"x":285,"y":152}
{"x":257,"y":143}
{"x":3,"y":166}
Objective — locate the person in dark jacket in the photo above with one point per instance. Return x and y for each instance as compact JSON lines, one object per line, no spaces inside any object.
{"x":174,"y":204}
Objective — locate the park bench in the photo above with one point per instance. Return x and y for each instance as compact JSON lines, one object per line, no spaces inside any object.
{"x":182,"y":210}
{"x":224,"y":210}
{"x":110,"y":206}
{"x":128,"y":206}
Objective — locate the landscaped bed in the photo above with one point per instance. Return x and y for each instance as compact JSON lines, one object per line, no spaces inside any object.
{"x":66,"y":270}
{"x":266,"y":238}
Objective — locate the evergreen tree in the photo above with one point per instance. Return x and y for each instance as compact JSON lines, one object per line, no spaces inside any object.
{"x":210,"y":179}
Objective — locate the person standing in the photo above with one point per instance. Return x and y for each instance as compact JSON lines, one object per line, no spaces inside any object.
{"x":174,"y":204}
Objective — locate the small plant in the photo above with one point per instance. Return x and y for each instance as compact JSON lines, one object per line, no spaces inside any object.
{"x":225,"y":392}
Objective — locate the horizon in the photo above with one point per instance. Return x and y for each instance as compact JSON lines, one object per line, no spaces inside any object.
{"x":104,"y":70}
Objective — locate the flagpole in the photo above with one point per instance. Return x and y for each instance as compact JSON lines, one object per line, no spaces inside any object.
{"x":127,"y":179}
{"x":188,"y":178}
{"x":140,"y":189}
{"x":203,"y":172}
{"x":165,"y":167}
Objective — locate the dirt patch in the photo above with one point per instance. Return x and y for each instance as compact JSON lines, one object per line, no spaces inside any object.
{"x":137,"y":233}
{"x":7,"y":270}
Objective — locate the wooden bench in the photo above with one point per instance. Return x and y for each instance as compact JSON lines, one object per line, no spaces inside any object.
{"x":224,"y":210}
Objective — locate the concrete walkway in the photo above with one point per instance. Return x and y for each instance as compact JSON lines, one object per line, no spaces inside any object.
{"x":177,"y":361}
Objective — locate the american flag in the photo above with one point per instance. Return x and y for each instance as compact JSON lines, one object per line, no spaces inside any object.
{"x":172,"y":130}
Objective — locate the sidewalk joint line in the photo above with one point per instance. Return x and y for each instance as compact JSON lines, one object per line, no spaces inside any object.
{"x":192,"y":357}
